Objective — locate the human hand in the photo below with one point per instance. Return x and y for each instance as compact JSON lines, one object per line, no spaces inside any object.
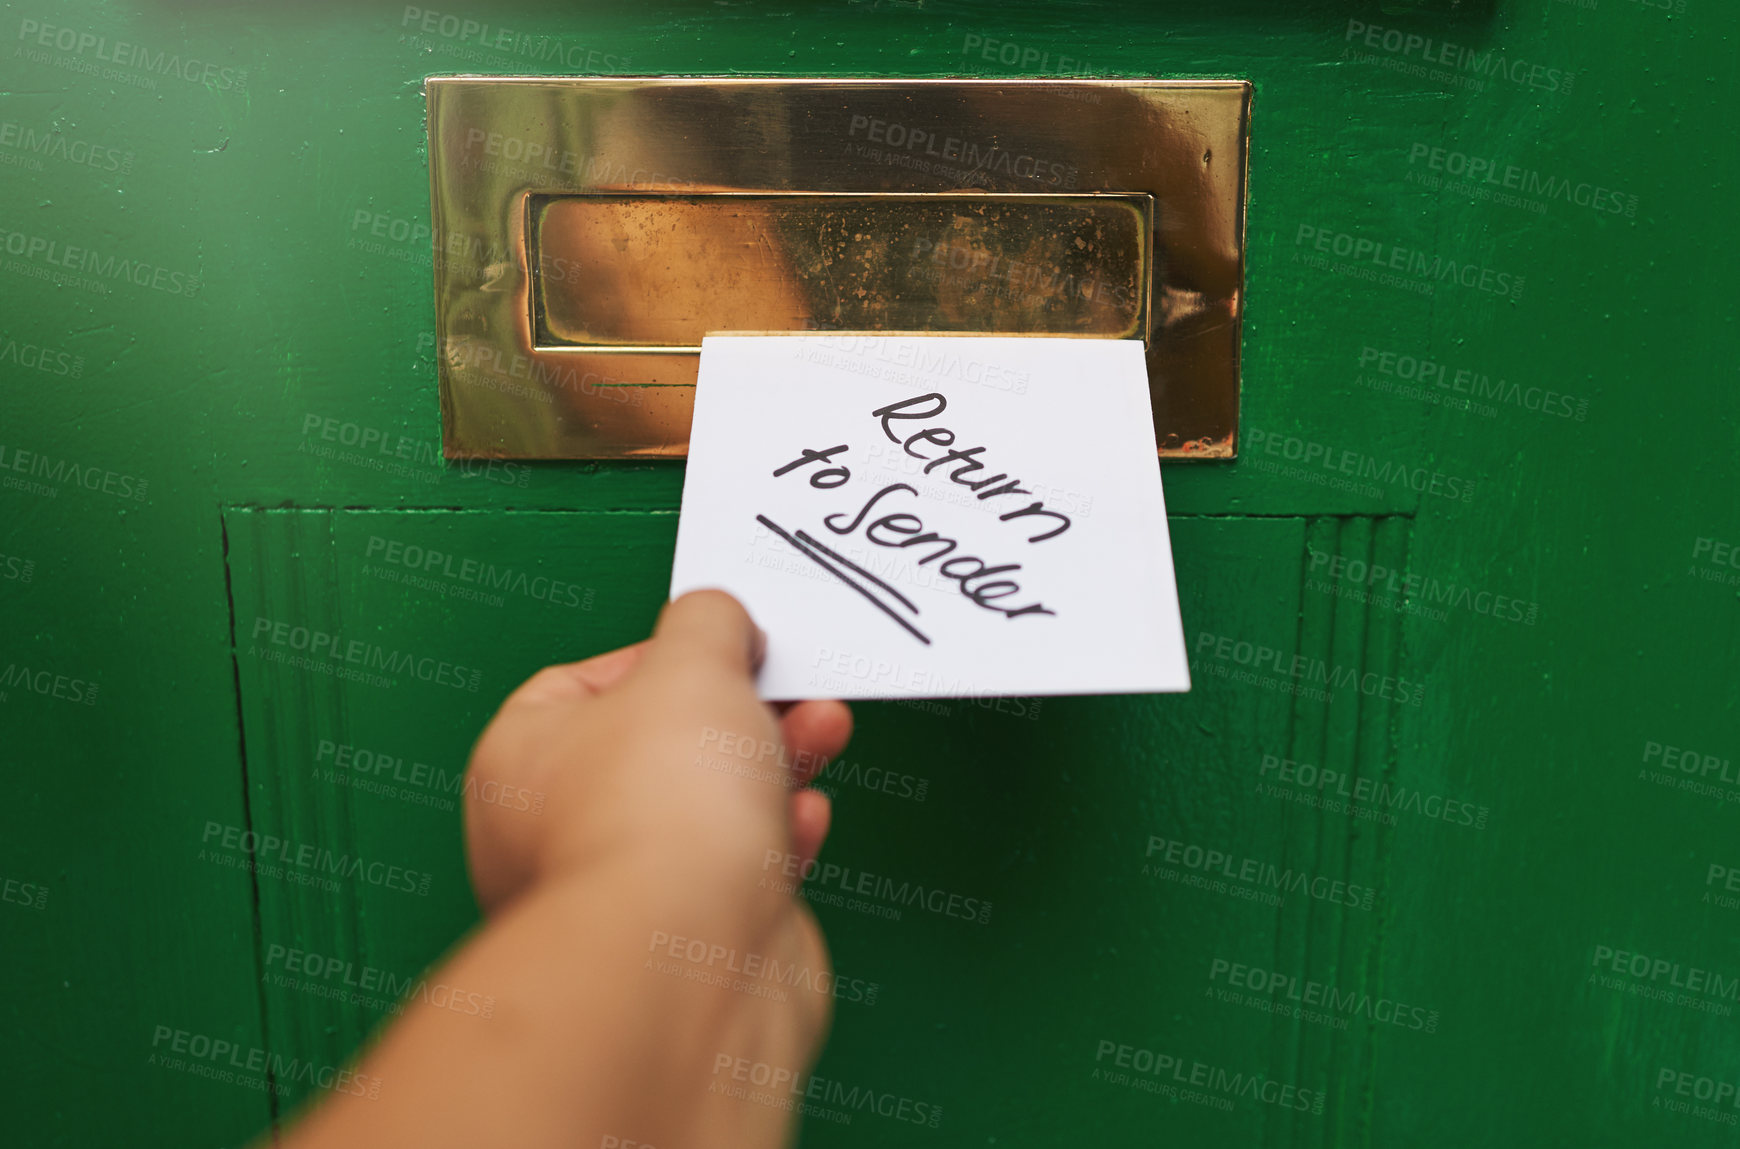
{"x":649,"y":799}
{"x":626,"y":749}
{"x":652,"y":833}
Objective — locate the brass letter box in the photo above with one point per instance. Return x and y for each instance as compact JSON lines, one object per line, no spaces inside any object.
{"x":589,"y":232}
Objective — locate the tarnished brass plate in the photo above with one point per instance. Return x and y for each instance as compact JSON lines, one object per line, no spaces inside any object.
{"x":589,"y":232}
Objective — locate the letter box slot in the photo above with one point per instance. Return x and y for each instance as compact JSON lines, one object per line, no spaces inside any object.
{"x":656,"y":273}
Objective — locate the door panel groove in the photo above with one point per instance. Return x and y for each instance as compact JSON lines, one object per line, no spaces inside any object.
{"x":258,"y":931}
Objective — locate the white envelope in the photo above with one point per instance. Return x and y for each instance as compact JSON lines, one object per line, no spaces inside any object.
{"x":934,"y":516}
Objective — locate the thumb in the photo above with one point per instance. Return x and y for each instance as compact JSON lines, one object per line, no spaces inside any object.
{"x":706,"y":631}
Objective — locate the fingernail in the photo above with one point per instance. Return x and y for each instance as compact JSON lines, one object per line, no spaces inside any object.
{"x":758,"y":648}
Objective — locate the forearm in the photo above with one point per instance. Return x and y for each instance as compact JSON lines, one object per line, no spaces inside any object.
{"x":584,"y":1041}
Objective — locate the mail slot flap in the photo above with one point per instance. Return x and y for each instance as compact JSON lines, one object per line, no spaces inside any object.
{"x":656,"y":273}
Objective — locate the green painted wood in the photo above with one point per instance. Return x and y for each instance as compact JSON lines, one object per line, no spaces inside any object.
{"x":355,"y":767}
{"x":180,"y":462}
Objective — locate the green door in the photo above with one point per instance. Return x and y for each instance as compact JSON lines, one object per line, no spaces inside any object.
{"x":1440,"y":850}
